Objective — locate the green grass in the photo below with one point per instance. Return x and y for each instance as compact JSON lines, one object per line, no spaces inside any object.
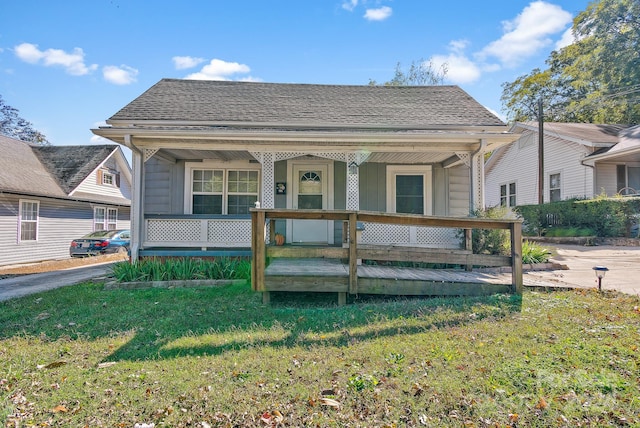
{"x":84,"y":356}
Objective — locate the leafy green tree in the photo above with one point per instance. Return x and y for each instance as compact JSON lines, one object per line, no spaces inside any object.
{"x":420,"y":73}
{"x":596,"y":79}
{"x":14,"y":126}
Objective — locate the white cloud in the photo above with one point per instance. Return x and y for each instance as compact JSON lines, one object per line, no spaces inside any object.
{"x":460,"y":69}
{"x":218,"y":69}
{"x":528,"y":33}
{"x":122,"y":75}
{"x":379,"y":14}
{"x":566,"y":40}
{"x":73,"y":63}
{"x":96,"y":139}
{"x":350,"y":5}
{"x":183,"y":62}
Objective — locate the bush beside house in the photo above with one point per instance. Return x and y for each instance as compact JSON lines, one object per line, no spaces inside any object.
{"x":603,"y":217}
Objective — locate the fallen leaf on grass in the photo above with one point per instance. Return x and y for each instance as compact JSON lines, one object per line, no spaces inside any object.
{"x":53,"y":365}
{"x":329,"y":402}
{"x":107,"y":364}
{"x":542,"y":404}
{"x":60,"y":409}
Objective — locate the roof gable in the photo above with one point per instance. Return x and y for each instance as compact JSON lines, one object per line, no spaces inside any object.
{"x":70,"y":165}
{"x":305,"y":105}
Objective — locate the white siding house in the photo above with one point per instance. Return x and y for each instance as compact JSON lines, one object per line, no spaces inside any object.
{"x":511,"y":173}
{"x":50,"y":195}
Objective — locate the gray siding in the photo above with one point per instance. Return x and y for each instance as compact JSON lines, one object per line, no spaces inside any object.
{"x":59,"y":222}
{"x":164,"y":187}
{"x":373,"y":187}
{"x":458,"y":191}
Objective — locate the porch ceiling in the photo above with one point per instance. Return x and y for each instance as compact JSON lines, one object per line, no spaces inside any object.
{"x":378,"y":157}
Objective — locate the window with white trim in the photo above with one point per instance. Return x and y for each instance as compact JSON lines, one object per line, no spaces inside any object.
{"x":107,"y":178}
{"x":28,"y":220}
{"x":224,"y":191}
{"x":409,"y":189}
{"x":508,"y":195}
{"x":555,"y":193}
{"x":105,"y":218}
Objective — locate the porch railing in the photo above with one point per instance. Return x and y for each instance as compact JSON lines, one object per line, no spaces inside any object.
{"x":197,"y":231}
{"x":263,"y":229}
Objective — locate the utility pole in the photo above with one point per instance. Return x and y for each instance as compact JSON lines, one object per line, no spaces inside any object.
{"x":540,"y":153}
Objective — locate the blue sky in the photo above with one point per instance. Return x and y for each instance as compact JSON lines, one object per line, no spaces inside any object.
{"x":69,"y":65}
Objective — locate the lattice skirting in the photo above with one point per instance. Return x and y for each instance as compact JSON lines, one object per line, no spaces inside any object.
{"x":428,"y":237}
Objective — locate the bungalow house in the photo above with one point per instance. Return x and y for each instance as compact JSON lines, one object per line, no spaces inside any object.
{"x":580,"y":160}
{"x":206,"y":152}
{"x":50,"y":195}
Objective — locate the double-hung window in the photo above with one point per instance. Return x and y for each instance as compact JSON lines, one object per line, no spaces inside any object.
{"x":554,"y":188}
{"x":409,"y":189}
{"x":224,"y":191}
{"x":508,"y":195}
{"x":105,"y":218}
{"x":28,"y":220}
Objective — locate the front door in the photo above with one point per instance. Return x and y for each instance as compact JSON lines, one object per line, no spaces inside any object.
{"x":310,"y":192}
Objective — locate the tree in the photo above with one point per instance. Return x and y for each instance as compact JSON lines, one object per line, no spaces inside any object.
{"x":596,"y":79}
{"x":14,"y":126}
{"x":420,"y":73}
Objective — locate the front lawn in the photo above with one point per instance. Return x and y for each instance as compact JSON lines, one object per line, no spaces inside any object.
{"x":203,"y":357}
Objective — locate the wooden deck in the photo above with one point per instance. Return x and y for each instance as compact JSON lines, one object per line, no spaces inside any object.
{"x":336,"y":269}
{"x":331,"y":275}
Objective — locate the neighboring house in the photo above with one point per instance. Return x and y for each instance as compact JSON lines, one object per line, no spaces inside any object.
{"x":581,"y":160}
{"x":50,"y":195}
{"x":204,"y":152}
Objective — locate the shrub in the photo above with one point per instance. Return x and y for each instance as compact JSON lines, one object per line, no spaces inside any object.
{"x":601,"y":216}
{"x":181,"y":268}
{"x":491,"y":241}
{"x":534,"y":253}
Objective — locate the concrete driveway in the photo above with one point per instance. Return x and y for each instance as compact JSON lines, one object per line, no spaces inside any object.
{"x":623,"y":264}
{"x":28,"y":284}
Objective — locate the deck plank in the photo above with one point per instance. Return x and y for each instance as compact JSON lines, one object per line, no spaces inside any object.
{"x":331,"y":275}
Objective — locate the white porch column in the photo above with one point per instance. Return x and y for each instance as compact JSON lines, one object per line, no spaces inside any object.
{"x":137,"y":204}
{"x":476,"y":178}
{"x":353,"y":182}
{"x":267,"y":160}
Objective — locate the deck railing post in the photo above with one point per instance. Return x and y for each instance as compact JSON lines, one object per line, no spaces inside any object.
{"x":258,"y":226}
{"x":353,"y":253}
{"x":516,"y":257}
{"x":468,"y":245}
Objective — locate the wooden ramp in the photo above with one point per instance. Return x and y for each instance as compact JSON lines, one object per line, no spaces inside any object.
{"x":331,"y":275}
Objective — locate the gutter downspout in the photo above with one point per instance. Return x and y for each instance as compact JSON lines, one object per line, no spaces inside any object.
{"x":473,"y":184}
{"x":137,"y":218}
{"x":593,"y":177}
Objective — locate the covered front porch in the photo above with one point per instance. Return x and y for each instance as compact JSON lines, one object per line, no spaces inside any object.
{"x":175,"y":210}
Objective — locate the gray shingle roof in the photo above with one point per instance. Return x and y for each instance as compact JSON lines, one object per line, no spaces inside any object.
{"x":307,"y":105}
{"x":52,"y":171}
{"x":70,"y":165}
{"x":22,"y":172}
{"x":591,"y":132}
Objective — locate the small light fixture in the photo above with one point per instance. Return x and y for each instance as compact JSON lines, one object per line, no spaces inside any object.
{"x":353,"y":168}
{"x":600,"y":272}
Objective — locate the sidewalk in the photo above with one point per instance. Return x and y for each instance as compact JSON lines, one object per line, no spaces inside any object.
{"x":623,"y":264}
{"x":28,"y":284}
